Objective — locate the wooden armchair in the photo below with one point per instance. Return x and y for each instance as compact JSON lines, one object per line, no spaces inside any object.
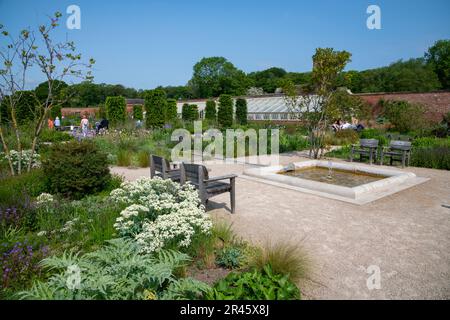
{"x":160,"y":167}
{"x":208,"y":187}
{"x":397,"y":151}
{"x":366,"y":148}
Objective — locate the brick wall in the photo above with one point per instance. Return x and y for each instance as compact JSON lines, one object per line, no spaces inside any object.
{"x":90,"y":111}
{"x":436,"y":103}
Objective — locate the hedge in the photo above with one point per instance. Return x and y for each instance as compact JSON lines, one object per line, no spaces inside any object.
{"x":116,"y":109}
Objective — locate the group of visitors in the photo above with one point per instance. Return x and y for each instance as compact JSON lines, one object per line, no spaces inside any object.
{"x":84,"y":125}
{"x":54,"y":124}
{"x":339,"y":125}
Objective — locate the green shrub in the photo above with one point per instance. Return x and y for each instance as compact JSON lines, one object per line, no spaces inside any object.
{"x":138,"y":114}
{"x":76,"y":169}
{"x":431,"y":157}
{"x":225,"y":111}
{"x":404,"y":116}
{"x":293,"y":142}
{"x":171,"y":110}
{"x":54,"y":136}
{"x":284,"y":258}
{"x":14,"y":189}
{"x":255,"y":285}
{"x":116,"y":109}
{"x":241,"y":111}
{"x":431,"y":142}
{"x":210,"y":110}
{"x":155,"y":106}
{"x":229,"y":258}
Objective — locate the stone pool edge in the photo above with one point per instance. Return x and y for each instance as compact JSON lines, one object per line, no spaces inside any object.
{"x":397,"y":181}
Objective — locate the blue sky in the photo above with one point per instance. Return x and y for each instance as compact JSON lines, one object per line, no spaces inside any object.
{"x":143,"y":44}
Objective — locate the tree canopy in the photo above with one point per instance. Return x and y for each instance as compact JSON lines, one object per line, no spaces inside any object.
{"x":216,"y":75}
{"x":438,"y":56}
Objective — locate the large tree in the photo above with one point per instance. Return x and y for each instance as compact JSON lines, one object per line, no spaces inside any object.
{"x":216,"y":75}
{"x":315,"y":105}
{"x":55,"y":60}
{"x":439,"y":58}
{"x":268,"y":79}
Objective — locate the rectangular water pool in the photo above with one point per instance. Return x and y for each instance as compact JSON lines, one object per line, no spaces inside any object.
{"x":352,"y":182}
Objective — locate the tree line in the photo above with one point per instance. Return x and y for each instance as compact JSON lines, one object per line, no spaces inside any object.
{"x":214,"y":76}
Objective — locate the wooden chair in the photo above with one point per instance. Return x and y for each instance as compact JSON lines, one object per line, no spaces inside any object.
{"x":366,"y":148}
{"x":397,"y":151}
{"x":160,"y":167}
{"x":208,"y":187}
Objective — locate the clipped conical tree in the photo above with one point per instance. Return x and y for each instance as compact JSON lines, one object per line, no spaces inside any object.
{"x":155,"y":105}
{"x":137,"y":112}
{"x":171,"y":110}
{"x":185,"y":112}
{"x":241,"y":111}
{"x":210,"y":110}
{"x":225,"y":111}
{"x":194,"y":112}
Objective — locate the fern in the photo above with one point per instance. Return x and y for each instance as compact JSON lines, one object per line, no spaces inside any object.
{"x":115,"y":271}
{"x":173,"y":258}
{"x":186,"y":289}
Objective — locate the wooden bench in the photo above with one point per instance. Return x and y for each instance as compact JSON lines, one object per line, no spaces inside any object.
{"x":397,"y":151}
{"x":366,"y":148}
{"x":160,"y":167}
{"x":208,"y":187}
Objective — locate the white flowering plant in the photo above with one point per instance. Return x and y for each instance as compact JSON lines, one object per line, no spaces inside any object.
{"x":160,"y":213}
{"x":26,"y":155}
{"x":44,"y":200}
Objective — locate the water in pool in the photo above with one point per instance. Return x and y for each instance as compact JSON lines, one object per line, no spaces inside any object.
{"x":338,"y":177}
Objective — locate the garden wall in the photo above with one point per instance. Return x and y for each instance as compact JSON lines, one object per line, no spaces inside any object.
{"x":90,"y":111}
{"x":436,"y":103}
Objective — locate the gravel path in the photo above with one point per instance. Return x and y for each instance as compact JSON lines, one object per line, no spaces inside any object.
{"x":406,"y":235}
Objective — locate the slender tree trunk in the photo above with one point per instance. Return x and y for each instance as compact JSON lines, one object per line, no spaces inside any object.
{"x":19,"y":144}
{"x":37,"y":132}
{"x":5,"y":146}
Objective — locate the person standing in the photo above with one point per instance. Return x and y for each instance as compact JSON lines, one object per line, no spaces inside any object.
{"x":57,"y":123}
{"x":50,"y":123}
{"x":84,"y":124}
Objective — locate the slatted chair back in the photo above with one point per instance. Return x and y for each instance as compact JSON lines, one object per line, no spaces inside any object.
{"x":400,"y":145}
{"x":157,"y":163}
{"x":368,"y":143}
{"x":194,"y":173}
